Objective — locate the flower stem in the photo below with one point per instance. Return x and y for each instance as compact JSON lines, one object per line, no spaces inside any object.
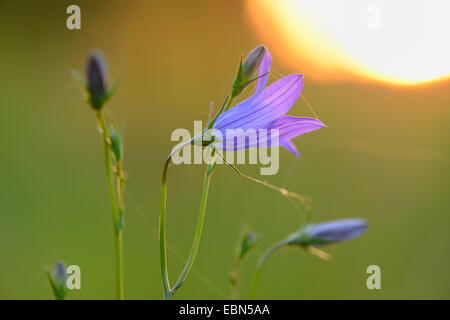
{"x":119,"y":230}
{"x":118,"y":236}
{"x":198,"y":231}
{"x":259,"y":267}
{"x":234,"y":275}
{"x":162,"y":232}
{"x":225,"y":106}
{"x":168,"y":292}
{"x":114,"y":206}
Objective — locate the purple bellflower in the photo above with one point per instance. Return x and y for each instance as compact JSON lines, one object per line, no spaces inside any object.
{"x":328,"y":232}
{"x":261,"y":120}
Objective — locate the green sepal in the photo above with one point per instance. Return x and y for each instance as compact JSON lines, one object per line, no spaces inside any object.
{"x":116,"y":144}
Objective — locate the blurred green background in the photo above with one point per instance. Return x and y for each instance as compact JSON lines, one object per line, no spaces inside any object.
{"x":383,"y":157}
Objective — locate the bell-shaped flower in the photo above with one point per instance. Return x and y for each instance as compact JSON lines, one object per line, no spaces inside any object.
{"x":261,"y":120}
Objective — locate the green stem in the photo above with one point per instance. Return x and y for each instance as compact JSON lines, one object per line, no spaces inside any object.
{"x":119,"y":263}
{"x":225,"y":106}
{"x":168,"y":292}
{"x":198,"y":231}
{"x":162,"y":232}
{"x":259,"y":266}
{"x":113,"y":197}
{"x":119,"y":230}
{"x":234,"y":275}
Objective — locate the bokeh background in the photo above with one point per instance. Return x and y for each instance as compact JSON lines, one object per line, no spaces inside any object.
{"x":383,"y":157}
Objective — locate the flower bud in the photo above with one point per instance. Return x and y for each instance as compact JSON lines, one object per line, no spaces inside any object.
{"x":59,"y":273}
{"x":328,"y":232}
{"x":248,"y":70}
{"x":57,"y":278}
{"x":246,"y":243}
{"x":96,"y":76}
{"x":252,"y":62}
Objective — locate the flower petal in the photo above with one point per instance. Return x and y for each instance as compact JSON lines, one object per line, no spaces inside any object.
{"x":272,"y":103}
{"x":291,"y":127}
{"x":238,"y":139}
{"x":275,"y":133}
{"x":338,"y":230}
{"x":288,"y":144}
{"x":324,"y":233}
{"x":264,"y":68}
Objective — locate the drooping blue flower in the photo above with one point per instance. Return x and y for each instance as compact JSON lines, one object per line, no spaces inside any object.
{"x":261,"y":120}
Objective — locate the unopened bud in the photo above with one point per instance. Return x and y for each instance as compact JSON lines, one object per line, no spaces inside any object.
{"x":251,"y":64}
{"x":57,"y":278}
{"x":248,"y":70}
{"x":328,"y":232}
{"x":247,"y":242}
{"x":96,"y":76}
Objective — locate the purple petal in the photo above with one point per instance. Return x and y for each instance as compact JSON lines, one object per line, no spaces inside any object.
{"x":272,"y":103}
{"x":59,"y":273}
{"x":338,"y":230}
{"x":290,"y":146}
{"x":324,"y":233}
{"x":276,"y":133}
{"x":240,"y":139}
{"x":96,"y":75}
{"x":264,"y":68}
{"x":291,"y":127}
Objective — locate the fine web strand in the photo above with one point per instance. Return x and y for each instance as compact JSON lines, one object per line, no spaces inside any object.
{"x":290,"y":172}
{"x":309,"y":106}
{"x":277,"y":75}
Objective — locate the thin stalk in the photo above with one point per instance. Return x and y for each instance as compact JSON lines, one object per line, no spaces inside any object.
{"x":119,"y":264}
{"x":168,"y":292}
{"x":162,"y":232}
{"x":225,"y":106}
{"x":114,"y":206}
{"x":119,"y":229}
{"x":162,"y":224}
{"x":229,"y":102}
{"x":234,"y":275}
{"x":261,"y":261}
{"x":198,"y":231}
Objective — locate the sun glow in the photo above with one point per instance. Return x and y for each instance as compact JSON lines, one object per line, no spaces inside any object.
{"x":401,"y":42}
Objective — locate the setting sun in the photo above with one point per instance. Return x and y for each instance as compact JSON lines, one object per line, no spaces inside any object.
{"x":399,"y":42}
